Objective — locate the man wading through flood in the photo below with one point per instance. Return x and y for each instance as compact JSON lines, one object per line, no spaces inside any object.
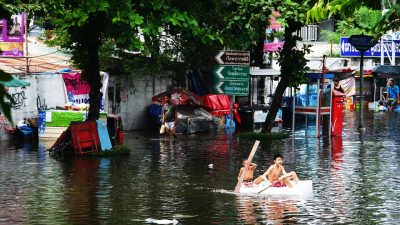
{"x":169,"y":116}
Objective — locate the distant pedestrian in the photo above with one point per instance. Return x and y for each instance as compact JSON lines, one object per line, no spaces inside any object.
{"x":337,"y":86}
{"x":392,"y":95}
{"x":381,"y":107}
{"x":169,"y":116}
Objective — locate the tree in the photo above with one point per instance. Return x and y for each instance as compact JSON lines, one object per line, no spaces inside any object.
{"x":389,"y":21}
{"x":254,"y":15}
{"x":131,"y":26}
{"x":363,"y":21}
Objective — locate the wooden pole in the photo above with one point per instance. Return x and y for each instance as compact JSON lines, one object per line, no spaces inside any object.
{"x":26,"y":41}
{"x":253,"y":151}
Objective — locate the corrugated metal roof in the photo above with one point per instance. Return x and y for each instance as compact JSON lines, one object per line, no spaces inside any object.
{"x":41,"y":58}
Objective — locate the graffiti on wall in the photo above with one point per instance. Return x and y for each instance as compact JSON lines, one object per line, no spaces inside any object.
{"x":17,"y":100}
{"x":42,"y":106}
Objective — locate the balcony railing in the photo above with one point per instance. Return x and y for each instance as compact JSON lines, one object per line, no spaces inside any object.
{"x":308,"y":33}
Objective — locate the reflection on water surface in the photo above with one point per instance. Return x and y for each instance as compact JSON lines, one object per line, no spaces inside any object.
{"x":355,"y":180}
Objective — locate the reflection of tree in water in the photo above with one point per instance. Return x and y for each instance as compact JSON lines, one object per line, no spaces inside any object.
{"x":82,"y":184}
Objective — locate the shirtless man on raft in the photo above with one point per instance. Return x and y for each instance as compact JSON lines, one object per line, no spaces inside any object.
{"x":274,"y":175}
{"x":248,"y":178}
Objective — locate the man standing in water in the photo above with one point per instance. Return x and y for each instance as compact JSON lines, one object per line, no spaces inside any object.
{"x":169,"y":116}
{"x":337,"y":86}
{"x":392,"y":96}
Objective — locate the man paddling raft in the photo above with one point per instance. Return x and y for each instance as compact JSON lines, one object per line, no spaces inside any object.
{"x":248,"y":177}
{"x":274,"y":175}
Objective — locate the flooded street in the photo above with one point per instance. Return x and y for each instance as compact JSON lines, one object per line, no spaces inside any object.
{"x":355,"y":180}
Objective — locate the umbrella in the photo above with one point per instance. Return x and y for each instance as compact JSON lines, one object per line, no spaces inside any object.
{"x":178,"y":97}
{"x":14,"y":82}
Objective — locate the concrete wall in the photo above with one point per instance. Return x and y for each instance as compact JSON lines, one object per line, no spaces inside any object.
{"x":44,"y":91}
{"x":25,"y":99}
{"x":51,"y":91}
{"x":130,"y":97}
{"x":133,"y":96}
{"x":25,"y":103}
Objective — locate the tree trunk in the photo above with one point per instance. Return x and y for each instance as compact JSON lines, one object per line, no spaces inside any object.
{"x":92,"y":76}
{"x":286,"y":71}
{"x":276,"y":103}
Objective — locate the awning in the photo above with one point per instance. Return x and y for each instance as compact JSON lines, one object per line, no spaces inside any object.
{"x":15,"y":82}
{"x":386,"y":71}
{"x":264,"y":72}
{"x":315,"y":76}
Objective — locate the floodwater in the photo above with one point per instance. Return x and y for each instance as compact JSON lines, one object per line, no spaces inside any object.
{"x":189,"y":181}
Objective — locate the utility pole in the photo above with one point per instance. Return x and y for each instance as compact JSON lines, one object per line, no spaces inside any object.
{"x":26,"y":41}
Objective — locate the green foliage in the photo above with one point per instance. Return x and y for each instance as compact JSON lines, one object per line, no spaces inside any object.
{"x":389,"y":21}
{"x":68,"y":152}
{"x":297,"y":68}
{"x":368,"y":15}
{"x":363,"y":21}
{"x":122,"y":30}
{"x":115,"y":151}
{"x":330,"y":36}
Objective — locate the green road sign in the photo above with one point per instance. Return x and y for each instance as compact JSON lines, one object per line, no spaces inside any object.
{"x":231,"y":73}
{"x":232,"y":87}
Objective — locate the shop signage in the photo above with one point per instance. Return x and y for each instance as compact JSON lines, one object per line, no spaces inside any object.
{"x":348,"y":50}
{"x":12,"y":36}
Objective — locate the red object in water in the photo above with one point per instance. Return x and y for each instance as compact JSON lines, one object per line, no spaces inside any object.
{"x":220,"y":104}
{"x":178,"y":97}
{"x":337,"y":112}
{"x":120,"y":137}
{"x":217,"y":105}
{"x":85,"y":137}
{"x":236,"y":112}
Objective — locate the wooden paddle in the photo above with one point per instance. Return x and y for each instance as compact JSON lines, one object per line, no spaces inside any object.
{"x":270,"y":184}
{"x":253,"y":151}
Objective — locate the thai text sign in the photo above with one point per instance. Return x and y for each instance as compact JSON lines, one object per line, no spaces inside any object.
{"x":231,"y":73}
{"x":77,"y":89}
{"x":239,"y":88}
{"x":347,"y":50}
{"x":233,"y":57}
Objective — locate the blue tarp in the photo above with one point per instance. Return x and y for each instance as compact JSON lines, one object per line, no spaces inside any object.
{"x":197,"y":86}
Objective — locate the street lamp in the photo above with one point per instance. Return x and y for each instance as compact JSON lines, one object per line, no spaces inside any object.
{"x":362,"y":43}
